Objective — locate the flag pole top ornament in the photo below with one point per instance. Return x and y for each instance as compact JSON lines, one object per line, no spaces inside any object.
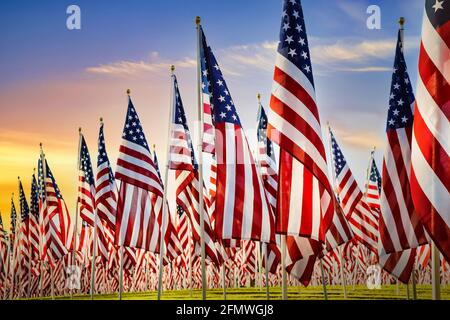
{"x":101,"y":120}
{"x":198,"y":20}
{"x":154,"y":146}
{"x":258,"y":96}
{"x":172,"y":68}
{"x":128,"y":92}
{"x":79,"y":129}
{"x":401,"y":21}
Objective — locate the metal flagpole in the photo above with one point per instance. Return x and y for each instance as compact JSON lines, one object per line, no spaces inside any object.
{"x":121,"y":249}
{"x":224,"y":284}
{"x":200,"y":160}
{"x":11,"y":260}
{"x":75,"y":226}
{"x":166,"y":176}
{"x":414,"y":284}
{"x":324,"y":284}
{"x":343,"y":282}
{"x":283,"y":268}
{"x":29,"y":255}
{"x":18,"y":244}
{"x":259,"y":249}
{"x":266,"y":271}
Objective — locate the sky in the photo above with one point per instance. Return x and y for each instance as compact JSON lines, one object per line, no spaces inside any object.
{"x":54,"y":80}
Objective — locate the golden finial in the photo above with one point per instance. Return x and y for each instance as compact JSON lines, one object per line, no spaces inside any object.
{"x":128,"y":92}
{"x":154,"y":146}
{"x":79,"y":129}
{"x":101,"y":120}
{"x":258,"y":96}
{"x":172,"y":68}
{"x":401,"y":22}
{"x":197,"y":20}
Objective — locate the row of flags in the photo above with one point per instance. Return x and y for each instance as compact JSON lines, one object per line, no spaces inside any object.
{"x":277,"y":207}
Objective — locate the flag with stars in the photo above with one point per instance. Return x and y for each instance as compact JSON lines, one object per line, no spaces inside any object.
{"x":182,"y":160}
{"x":430,"y":147}
{"x":242,"y":209}
{"x":55,"y":223}
{"x":137,"y":220}
{"x":400,"y":227}
{"x":373,"y":186}
{"x":34,"y":226}
{"x":294,"y":124}
{"x":362,"y":220}
{"x":86,"y":184}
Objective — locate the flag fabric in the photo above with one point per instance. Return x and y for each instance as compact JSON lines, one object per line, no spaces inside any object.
{"x":430,"y":147}
{"x":13,"y":222}
{"x":373,"y":186}
{"x":55,"y":222}
{"x":182,"y":160}
{"x":34,"y":235}
{"x":242,"y":210}
{"x":340,"y":231}
{"x":294,"y":124}
{"x":24,"y":244}
{"x":399,"y":264}
{"x":400,"y":227}
{"x":3,"y":251}
{"x":136,"y":221}
{"x":363,"y":221}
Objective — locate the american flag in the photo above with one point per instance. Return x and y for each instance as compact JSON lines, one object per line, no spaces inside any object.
{"x":24,"y":245}
{"x":3,"y":250}
{"x":294,"y":124}
{"x":86,"y":184}
{"x":242,"y":210}
{"x":373,"y":186}
{"x":137,"y":221}
{"x":55,"y":223}
{"x":363,"y":221}
{"x":430,"y":148}
{"x":400,"y":227}
{"x":13,"y":222}
{"x":399,"y":264}
{"x":106,"y":189}
{"x":105,"y":199}
{"x":340,"y":231}
{"x":34,"y":234}
{"x":182,"y":160}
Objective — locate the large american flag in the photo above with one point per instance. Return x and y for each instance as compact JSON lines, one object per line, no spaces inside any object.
{"x":136,"y":221}
{"x":400,"y":227}
{"x":182,"y":160}
{"x":430,"y":149}
{"x":294,"y":124}
{"x":363,"y":221}
{"x":55,"y":222}
{"x":242,"y":210}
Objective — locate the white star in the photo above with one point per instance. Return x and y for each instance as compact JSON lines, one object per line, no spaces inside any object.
{"x":307,"y":69}
{"x":392,"y":96}
{"x":222,"y":115}
{"x":295,"y":14}
{"x":400,"y":102}
{"x":396,"y":112}
{"x":216,"y":67}
{"x":299,"y":28}
{"x":292,"y":52}
{"x":286,"y":26}
{"x":404,"y":119}
{"x":220,"y":82}
{"x":301,"y":41}
{"x":228,"y":107}
{"x":221,"y":99}
{"x":304,"y":55}
{"x":391,"y":122}
{"x":205,"y":73}
{"x":289,"y":39}
{"x":406,"y":80}
{"x":226,"y":92}
{"x":234,"y":117}
{"x":438,"y":5}
{"x":396,"y":86}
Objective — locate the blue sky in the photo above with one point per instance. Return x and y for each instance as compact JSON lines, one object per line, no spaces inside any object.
{"x":54,"y":80}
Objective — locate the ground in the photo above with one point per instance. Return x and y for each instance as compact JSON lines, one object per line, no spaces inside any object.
{"x":294,"y":293}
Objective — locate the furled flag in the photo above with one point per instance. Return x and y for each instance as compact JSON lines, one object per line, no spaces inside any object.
{"x":13,"y":222}
{"x":24,"y":244}
{"x":182,"y":160}
{"x":373,"y":186}
{"x":86,"y":184}
{"x":242,"y":210}
{"x":34,"y":234}
{"x":363,"y":221}
{"x":3,"y":252}
{"x":400,"y":227}
{"x":55,"y":223}
{"x":136,"y":224}
{"x":304,"y":206}
{"x":430,"y":148}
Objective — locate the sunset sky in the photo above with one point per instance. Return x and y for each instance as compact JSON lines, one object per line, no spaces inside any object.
{"x":53,"y":80}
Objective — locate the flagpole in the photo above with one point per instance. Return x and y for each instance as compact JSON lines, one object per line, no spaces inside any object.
{"x":166,"y":177}
{"x":324,"y":285}
{"x":266,"y":271}
{"x":30,"y":255}
{"x":435,"y":272}
{"x":283,"y":268}
{"x":224,"y":284}
{"x":121,"y":249}
{"x":342,"y":272}
{"x":19,"y":255}
{"x":12,"y":256}
{"x":200,"y":160}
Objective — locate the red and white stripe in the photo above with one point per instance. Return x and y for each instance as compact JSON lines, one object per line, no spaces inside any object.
{"x":430,"y":148}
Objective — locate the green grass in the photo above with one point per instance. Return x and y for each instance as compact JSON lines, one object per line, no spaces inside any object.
{"x":294,"y":293}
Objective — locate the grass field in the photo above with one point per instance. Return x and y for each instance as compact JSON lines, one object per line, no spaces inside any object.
{"x":294,"y":293}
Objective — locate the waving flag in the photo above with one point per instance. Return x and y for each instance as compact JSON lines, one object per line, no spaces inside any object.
{"x":430,"y":148}
{"x":242,"y":210}
{"x":55,"y":223}
{"x":400,"y":227}
{"x":34,"y":234}
{"x":363,"y":221}
{"x":86,"y":187}
{"x":182,"y":160}
{"x":373,"y":186}
{"x":24,"y":244}
{"x":136,"y":223}
{"x":294,"y":124}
